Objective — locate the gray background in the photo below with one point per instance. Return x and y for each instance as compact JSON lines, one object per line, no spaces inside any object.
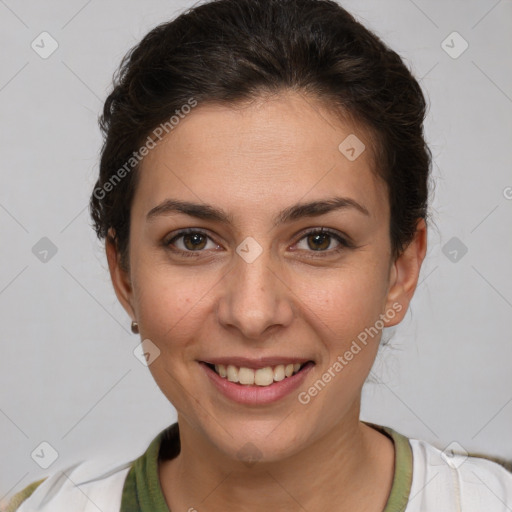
{"x":68,"y":375}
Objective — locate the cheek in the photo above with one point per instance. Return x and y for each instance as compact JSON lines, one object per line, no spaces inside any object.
{"x":346,"y":301}
{"x":171,"y":305}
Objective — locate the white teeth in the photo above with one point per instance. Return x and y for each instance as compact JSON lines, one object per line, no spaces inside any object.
{"x":246,"y":376}
{"x":260,"y":377}
{"x":232,"y":373}
{"x":221,"y":370}
{"x":263,"y":376}
{"x":279,"y":372}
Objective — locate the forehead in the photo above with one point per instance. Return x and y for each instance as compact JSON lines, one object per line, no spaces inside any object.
{"x":262,"y":154}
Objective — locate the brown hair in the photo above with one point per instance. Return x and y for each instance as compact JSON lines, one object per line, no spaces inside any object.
{"x":228,"y":51}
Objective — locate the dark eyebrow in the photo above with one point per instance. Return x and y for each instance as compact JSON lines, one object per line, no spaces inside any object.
{"x":290,"y":214}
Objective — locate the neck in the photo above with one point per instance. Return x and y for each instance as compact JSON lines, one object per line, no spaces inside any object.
{"x":352,"y":465}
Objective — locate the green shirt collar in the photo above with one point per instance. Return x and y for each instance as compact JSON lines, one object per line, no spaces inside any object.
{"x":142,"y":491}
{"x":402,"y":479}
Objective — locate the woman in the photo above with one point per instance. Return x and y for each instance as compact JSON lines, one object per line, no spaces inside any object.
{"x":263,"y":194}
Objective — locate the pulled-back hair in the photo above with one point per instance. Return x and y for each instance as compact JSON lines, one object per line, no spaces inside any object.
{"x":230,"y":51}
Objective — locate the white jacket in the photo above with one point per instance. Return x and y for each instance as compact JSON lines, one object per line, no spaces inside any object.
{"x":429,"y":481}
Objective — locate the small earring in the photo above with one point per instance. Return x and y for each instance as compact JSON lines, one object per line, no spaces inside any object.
{"x":135,"y":327}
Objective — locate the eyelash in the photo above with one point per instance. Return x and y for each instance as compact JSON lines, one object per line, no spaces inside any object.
{"x":344,"y":244}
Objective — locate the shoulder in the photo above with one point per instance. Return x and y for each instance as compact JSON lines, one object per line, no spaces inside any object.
{"x":455,"y":480}
{"x":95,"y":484}
{"x":88,"y":485}
{"x":20,"y":497}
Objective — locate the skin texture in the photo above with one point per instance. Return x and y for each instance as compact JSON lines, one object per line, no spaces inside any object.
{"x":253,"y":161}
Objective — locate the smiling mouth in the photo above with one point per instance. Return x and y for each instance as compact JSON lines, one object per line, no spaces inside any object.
{"x":259,"y":377}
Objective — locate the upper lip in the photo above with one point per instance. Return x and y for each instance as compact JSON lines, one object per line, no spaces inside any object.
{"x":260,"y":362}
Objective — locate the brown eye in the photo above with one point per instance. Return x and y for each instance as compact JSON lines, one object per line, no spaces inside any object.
{"x":321,"y":241}
{"x":194,"y":241}
{"x":189,"y":242}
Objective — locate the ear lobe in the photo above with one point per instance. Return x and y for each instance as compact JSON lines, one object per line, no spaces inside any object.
{"x":405,"y":272}
{"x":120,"y":278}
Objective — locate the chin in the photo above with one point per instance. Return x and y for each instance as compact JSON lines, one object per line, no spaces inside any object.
{"x":257,"y":440}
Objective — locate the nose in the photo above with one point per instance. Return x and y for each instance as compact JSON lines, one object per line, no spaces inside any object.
{"x":256,"y":300}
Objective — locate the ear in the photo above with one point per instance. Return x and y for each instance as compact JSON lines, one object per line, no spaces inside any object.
{"x":404,"y":273}
{"x":120,"y":278}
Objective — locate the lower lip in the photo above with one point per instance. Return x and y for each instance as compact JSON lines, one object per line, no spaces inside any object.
{"x":252,"y":394}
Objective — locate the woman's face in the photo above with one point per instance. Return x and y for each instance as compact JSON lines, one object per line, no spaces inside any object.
{"x":263,"y":283}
